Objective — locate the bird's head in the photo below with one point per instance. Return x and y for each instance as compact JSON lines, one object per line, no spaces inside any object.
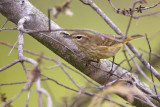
{"x":80,"y":38}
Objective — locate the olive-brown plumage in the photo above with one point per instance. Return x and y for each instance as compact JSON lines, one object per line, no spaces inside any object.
{"x":98,"y":47}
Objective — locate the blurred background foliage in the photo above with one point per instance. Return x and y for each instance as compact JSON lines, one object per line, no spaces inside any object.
{"x":83,"y":17}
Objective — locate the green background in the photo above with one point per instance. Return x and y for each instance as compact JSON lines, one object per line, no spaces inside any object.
{"x":84,"y":17}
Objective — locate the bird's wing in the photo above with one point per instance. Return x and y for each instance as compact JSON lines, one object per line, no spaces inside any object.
{"x":102,"y":41}
{"x":108,"y":42}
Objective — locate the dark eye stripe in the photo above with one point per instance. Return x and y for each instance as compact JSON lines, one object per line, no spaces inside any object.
{"x":79,"y":37}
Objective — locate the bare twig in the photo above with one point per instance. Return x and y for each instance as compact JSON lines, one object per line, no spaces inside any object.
{"x":47,"y":58}
{"x":69,"y":76}
{"x":69,"y":29}
{"x":13,"y":83}
{"x":128,"y":60}
{"x":84,"y":92}
{"x":9,"y":65}
{"x":81,"y":75}
{"x":78,"y":97}
{"x":12,"y":99}
{"x":144,"y":61}
{"x":131,"y":16}
{"x":128,"y":12}
{"x":103,"y":15}
{"x":20,"y":35}
{"x":24,"y":68}
{"x":148,"y":14}
{"x":28,"y":60}
{"x":13,"y":48}
{"x":140,"y":70}
{"x":152,"y":53}
{"x":41,"y":90}
{"x":28,"y":97}
{"x":39,"y":99}
{"x":3,"y":84}
{"x":21,"y":58}
{"x":58,"y":42}
{"x":4,"y":24}
{"x":8,"y":29}
{"x":146,"y":101}
{"x":117,"y":30}
{"x":150,"y":50}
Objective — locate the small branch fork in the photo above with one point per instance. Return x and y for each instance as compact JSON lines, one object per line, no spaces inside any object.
{"x":84,"y":92}
{"x":150,"y":51}
{"x":117,"y":30}
{"x":128,"y":12}
{"x":33,"y":75}
{"x":41,"y":90}
{"x":35,"y":72}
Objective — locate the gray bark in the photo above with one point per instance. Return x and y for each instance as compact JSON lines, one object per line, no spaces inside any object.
{"x":14,"y":10}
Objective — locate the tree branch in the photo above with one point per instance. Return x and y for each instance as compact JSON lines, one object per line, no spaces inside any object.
{"x":14,"y":10}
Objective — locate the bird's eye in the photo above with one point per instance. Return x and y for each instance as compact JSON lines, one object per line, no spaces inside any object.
{"x":79,"y":37}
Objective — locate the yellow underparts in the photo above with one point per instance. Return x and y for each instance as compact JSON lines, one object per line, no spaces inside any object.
{"x":121,"y":45}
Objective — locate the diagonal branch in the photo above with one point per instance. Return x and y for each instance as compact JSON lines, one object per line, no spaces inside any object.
{"x":39,"y":21}
{"x":117,"y":30}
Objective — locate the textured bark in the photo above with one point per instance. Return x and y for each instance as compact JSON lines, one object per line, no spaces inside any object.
{"x":14,"y":10}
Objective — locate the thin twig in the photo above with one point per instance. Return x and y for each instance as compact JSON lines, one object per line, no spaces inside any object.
{"x":28,"y":97}
{"x":128,"y":12}
{"x":144,"y":61}
{"x":103,"y":15}
{"x":81,"y":75}
{"x":128,"y":60}
{"x":148,"y":14}
{"x":8,"y":29}
{"x":69,"y":29}
{"x":24,"y":68}
{"x":69,"y":76}
{"x":150,"y":50}
{"x":58,"y":42}
{"x":148,"y":102}
{"x":84,"y":92}
{"x":139,"y":68}
{"x":9,"y":65}
{"x":12,"y":99}
{"x":13,"y":83}
{"x":4,"y":24}
{"x":78,"y":97}
{"x":13,"y":48}
{"x":41,"y":90}
{"x":49,"y":20}
{"x":152,"y":53}
{"x":131,"y":16}
{"x":3,"y":84}
{"x":47,"y":58}
{"x":117,"y":30}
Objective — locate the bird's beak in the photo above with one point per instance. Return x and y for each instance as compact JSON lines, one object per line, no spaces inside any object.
{"x":66,"y":35}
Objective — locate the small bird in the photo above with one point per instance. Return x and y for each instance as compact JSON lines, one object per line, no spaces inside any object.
{"x":98,"y":47}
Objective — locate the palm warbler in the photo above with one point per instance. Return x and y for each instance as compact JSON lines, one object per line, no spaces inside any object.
{"x":97,"y":47}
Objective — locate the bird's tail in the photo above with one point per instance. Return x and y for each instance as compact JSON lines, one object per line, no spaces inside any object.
{"x":133,"y":37}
